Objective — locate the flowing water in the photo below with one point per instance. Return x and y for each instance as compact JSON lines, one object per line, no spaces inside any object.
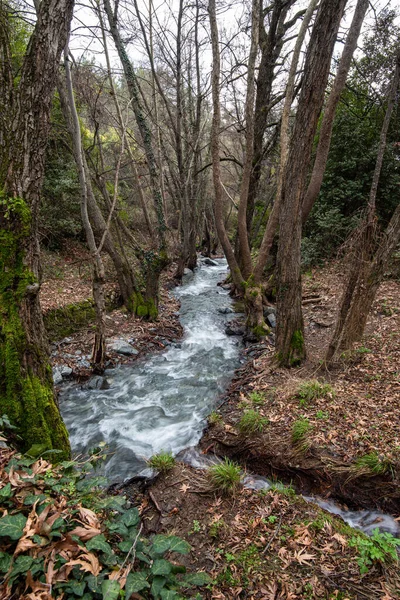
{"x":161,"y":402}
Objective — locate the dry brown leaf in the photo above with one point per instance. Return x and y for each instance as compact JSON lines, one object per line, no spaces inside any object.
{"x":89,"y":562}
{"x":89,"y":517}
{"x":85,"y":533}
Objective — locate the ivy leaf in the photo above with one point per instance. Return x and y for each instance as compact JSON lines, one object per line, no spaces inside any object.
{"x":6,"y":492}
{"x":172,"y":543}
{"x":5,"y":562}
{"x":135,"y":582}
{"x":12,"y":526}
{"x":77,"y":587}
{"x":157,"y":585}
{"x":169,"y":595}
{"x":98,"y":542}
{"x":21,"y":565}
{"x":161,"y":567}
{"x":125,"y":547}
{"x":131,"y":517}
{"x":110,"y":589}
{"x":200,"y":578}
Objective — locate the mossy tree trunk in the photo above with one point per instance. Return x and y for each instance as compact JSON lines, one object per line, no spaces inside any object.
{"x":26,"y":385}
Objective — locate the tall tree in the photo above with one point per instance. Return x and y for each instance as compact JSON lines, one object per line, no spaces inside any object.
{"x":290,"y":344}
{"x":26,"y":385}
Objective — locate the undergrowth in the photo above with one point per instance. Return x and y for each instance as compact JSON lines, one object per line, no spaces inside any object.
{"x":379,"y":547}
{"x":61,"y":535}
{"x":313,"y":390}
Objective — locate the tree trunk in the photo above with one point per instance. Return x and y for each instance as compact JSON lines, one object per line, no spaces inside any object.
{"x":99,"y":348}
{"x":368,"y":263}
{"x":329,"y":114}
{"x":244,"y":246}
{"x":216,"y":123}
{"x":272,"y":224}
{"x":26,"y":385}
{"x":290,"y":346}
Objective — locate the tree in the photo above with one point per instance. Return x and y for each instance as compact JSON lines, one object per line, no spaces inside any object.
{"x":290,"y":346}
{"x":26,"y":386}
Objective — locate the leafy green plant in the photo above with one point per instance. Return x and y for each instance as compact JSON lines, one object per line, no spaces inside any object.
{"x":312,"y":390}
{"x":252,"y":422}
{"x":300,"y":430}
{"x":379,"y":547}
{"x":363,"y":350}
{"x":163,"y":462}
{"x":374,"y":463}
{"x":102,"y":532}
{"x":216,"y":527}
{"x":322,"y":414}
{"x":225,"y":476}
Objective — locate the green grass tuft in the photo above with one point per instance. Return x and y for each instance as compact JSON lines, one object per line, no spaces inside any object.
{"x":300,"y":430}
{"x":163,"y":462}
{"x":312,"y":390}
{"x":225,"y":476}
{"x":374,"y":463}
{"x":252,"y":422}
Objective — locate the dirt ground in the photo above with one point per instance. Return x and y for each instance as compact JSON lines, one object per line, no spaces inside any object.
{"x":262,"y":545}
{"x":67,"y":280}
{"x":350,"y":446}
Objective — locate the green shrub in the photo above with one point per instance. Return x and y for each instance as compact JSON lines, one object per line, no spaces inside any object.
{"x":379,"y":547}
{"x":163,"y":462}
{"x":225,"y":476}
{"x":252,"y":422}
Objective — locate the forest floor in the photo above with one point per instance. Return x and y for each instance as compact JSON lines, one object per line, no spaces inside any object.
{"x":273,"y":544}
{"x":67,"y":284}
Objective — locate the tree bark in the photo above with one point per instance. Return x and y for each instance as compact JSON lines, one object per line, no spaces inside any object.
{"x":272,"y":224}
{"x":368,"y":263}
{"x":216,"y":123}
{"x":244,"y":247}
{"x":98,"y":278}
{"x":26,"y":385}
{"x":325,"y":135}
{"x":290,"y":346}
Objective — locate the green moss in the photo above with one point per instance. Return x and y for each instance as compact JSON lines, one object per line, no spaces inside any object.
{"x":144,"y":308}
{"x":26,"y":396}
{"x":260,"y":330}
{"x":61,"y":322}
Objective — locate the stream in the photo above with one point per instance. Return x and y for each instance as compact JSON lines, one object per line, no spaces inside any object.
{"x":161,"y":402}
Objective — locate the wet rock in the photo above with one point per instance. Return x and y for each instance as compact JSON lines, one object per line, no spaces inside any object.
{"x":271,"y":320}
{"x":84,"y":363}
{"x":97,"y":383}
{"x":269,"y":310}
{"x":188,"y":272}
{"x":235,"y":329}
{"x":226,"y":311}
{"x":61,"y":372}
{"x":122,"y":347}
{"x":209,"y":262}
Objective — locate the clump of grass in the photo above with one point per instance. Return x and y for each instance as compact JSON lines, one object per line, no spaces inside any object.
{"x":373,"y":463}
{"x":300,"y":430}
{"x":163,"y":462}
{"x":312,"y":390}
{"x":257,"y":398}
{"x":214,"y":418}
{"x":252,"y":422}
{"x":225,"y":476}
